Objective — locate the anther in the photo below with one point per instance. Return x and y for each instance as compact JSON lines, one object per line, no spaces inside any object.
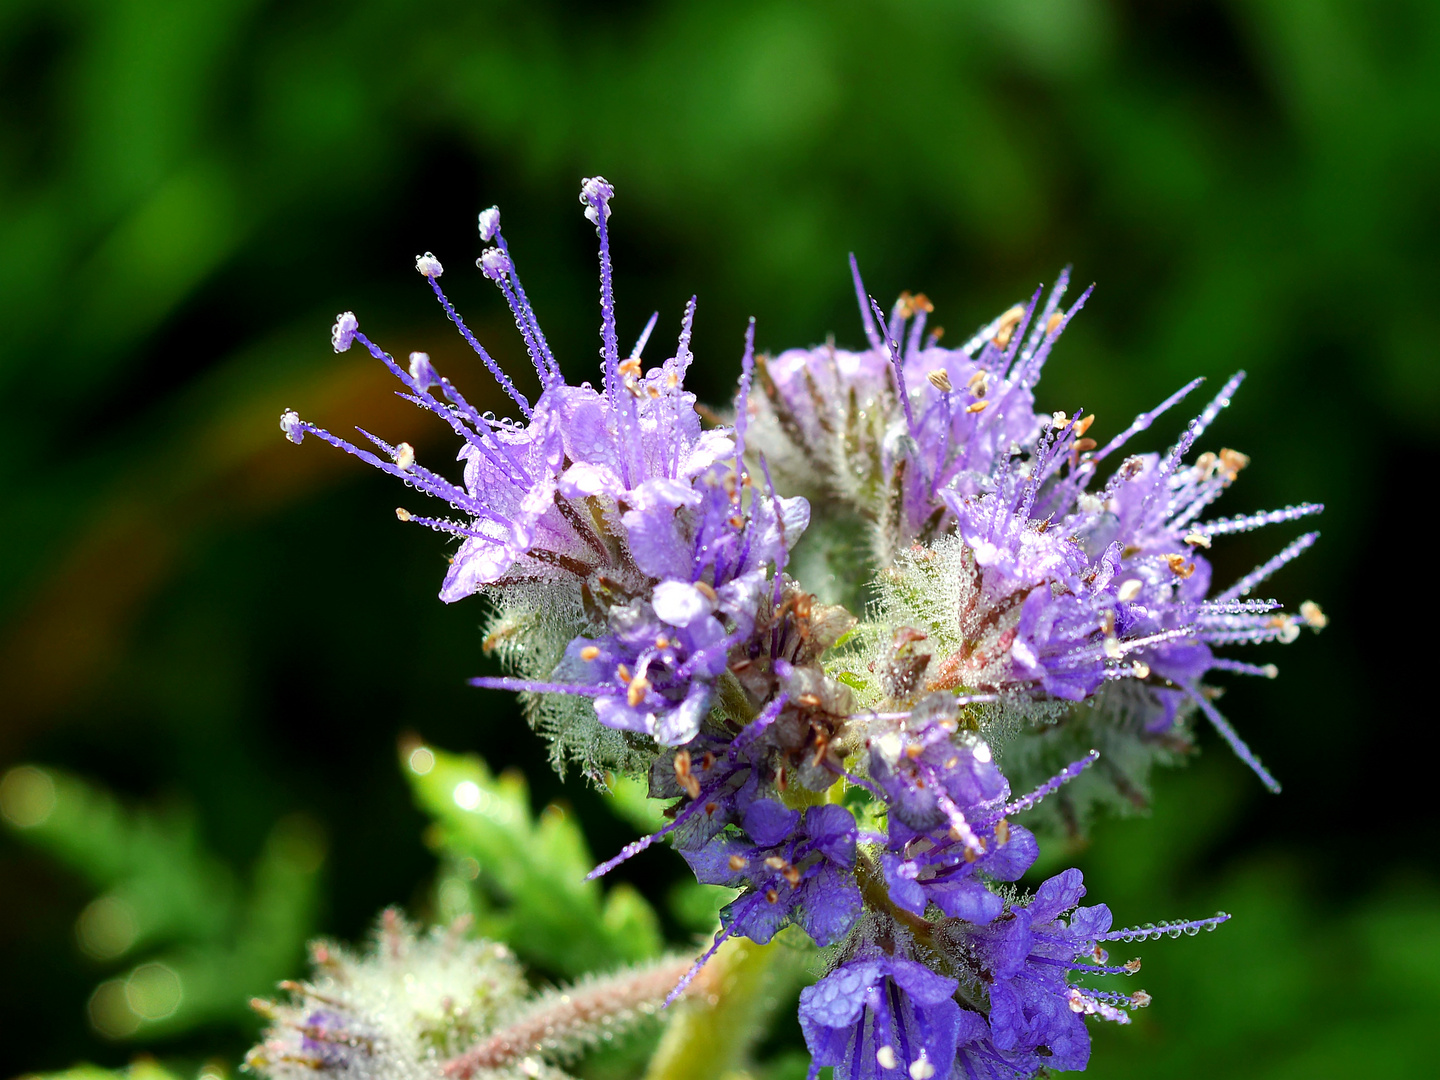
{"x":977,"y":406}
{"x":429,"y":266}
{"x":1140,"y":669}
{"x":1053,"y":323}
{"x":1002,"y":831}
{"x":662,"y":642}
{"x":1313,"y":616}
{"x":624,"y":674}
{"x":885,"y":1056}
{"x":1006,"y":329}
{"x":1179,"y":567}
{"x":1232,"y":461}
{"x":771,"y":896}
{"x":1132,"y":966}
{"x":1129,"y":590}
{"x":1195,"y":538}
{"x":738,"y":862}
{"x":1083,"y":425}
{"x":403,"y":514}
{"x":404,"y":456}
{"x":589,"y":652}
{"x":637,"y":691}
{"x":706,"y":590}
{"x":940,"y":379}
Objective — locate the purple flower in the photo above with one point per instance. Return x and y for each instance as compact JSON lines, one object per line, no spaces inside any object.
{"x":653,"y":671}
{"x":891,"y":428}
{"x":791,"y":868}
{"x":881,"y":1017}
{"x":1024,"y":959}
{"x":930,"y":773}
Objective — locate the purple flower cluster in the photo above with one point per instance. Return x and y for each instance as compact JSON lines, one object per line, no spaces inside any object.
{"x":615,"y":499}
{"x":838,"y":775}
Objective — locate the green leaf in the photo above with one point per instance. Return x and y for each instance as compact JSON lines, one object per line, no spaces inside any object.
{"x":200,"y":943}
{"x":525,"y":874}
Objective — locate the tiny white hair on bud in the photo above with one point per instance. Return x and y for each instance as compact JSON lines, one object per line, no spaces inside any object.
{"x":489,"y":223}
{"x":428,"y":265}
{"x":291,"y":426}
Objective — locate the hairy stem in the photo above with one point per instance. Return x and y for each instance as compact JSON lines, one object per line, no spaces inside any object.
{"x":562,"y":1022}
{"x":713,"y":1036}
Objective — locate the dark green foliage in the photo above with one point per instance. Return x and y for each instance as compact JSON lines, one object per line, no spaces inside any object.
{"x":196,"y":939}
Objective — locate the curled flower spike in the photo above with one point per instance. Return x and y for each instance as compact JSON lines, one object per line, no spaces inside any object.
{"x":1033,"y":599}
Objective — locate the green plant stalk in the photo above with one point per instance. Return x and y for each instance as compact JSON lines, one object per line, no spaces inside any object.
{"x":713,"y":1037}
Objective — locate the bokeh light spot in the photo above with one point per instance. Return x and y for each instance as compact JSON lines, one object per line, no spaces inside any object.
{"x":27,"y":796}
{"x":153,"y":991}
{"x":107,"y":928}
{"x":467,"y":795}
{"x":110,"y":1012}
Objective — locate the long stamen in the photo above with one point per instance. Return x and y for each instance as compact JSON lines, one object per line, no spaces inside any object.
{"x":1264,"y":570}
{"x":897,"y":365}
{"x":644,"y":336}
{"x":1247,"y":522}
{"x":1049,"y":787}
{"x":1231,"y":736}
{"x":495,"y":369}
{"x":861,"y":297}
{"x":1153,"y":931}
{"x":528,"y":686}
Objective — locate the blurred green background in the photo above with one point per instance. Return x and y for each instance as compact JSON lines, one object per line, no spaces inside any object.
{"x":218,"y":638}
